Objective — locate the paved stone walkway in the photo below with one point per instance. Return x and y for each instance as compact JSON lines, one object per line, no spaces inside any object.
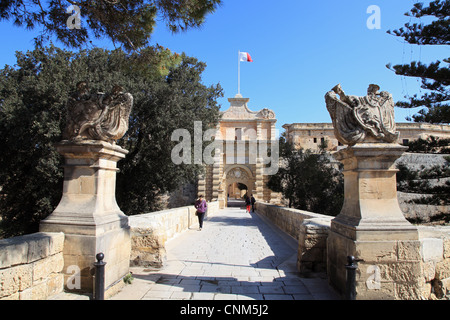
{"x":237,"y":256}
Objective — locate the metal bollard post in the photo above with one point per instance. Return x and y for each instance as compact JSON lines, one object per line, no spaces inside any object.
{"x":350,"y":292}
{"x":99,"y":290}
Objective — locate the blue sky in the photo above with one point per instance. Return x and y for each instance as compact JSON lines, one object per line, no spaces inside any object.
{"x":301,"y":49}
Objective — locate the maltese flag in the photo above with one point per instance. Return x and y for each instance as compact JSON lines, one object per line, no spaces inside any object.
{"x":244,"y":56}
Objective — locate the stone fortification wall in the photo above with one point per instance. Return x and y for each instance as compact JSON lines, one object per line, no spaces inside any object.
{"x":31,"y":266}
{"x":149,"y":232}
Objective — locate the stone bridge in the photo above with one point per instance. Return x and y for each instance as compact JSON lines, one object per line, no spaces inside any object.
{"x":236,"y":256}
{"x":274,"y":253}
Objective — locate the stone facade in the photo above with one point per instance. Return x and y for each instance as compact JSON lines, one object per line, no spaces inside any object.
{"x":311,"y":135}
{"x":239,"y":134}
{"x":31,"y":266}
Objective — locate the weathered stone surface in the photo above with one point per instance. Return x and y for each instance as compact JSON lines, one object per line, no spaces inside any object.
{"x":97,"y":116}
{"x":408,"y":250}
{"x":31,"y":266}
{"x":362,"y":119}
{"x":15,"y":279}
{"x":431,"y":249}
{"x":429,"y":270}
{"x":443,"y":269}
{"x":44,"y":268}
{"x":408,"y":291}
{"x":88,"y":213}
{"x":446,"y":250}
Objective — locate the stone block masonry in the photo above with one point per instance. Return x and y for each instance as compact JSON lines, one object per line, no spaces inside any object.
{"x":31,"y":266}
{"x":310,"y":229}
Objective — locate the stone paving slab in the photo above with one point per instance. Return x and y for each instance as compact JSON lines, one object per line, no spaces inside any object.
{"x":237,"y":256}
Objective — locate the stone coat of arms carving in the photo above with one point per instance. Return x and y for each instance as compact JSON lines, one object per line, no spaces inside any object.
{"x":237,"y":174}
{"x":97,"y":116}
{"x":362,"y":119}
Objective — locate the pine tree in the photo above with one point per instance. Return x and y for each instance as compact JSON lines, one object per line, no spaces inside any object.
{"x":436,"y":75}
{"x":127,"y":23}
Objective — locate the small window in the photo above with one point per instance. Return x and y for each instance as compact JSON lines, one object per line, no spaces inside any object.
{"x":315,"y":140}
{"x":405,"y":141}
{"x":322,"y":140}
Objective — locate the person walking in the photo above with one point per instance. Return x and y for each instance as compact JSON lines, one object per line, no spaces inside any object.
{"x":201,"y":207}
{"x":253,"y":201}
{"x":247,"y":203}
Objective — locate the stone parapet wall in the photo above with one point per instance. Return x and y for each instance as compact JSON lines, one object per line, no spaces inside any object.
{"x":31,"y":266}
{"x":150,"y":232}
{"x":310,"y":229}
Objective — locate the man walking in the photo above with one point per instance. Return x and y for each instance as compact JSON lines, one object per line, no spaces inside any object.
{"x":253,"y":201}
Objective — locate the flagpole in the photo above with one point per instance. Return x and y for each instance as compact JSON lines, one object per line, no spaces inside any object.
{"x":239,"y":72}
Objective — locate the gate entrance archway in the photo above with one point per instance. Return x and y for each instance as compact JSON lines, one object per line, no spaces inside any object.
{"x":236,"y":175}
{"x":236,"y":161}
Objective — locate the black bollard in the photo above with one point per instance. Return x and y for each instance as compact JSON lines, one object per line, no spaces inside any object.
{"x":350,"y":290}
{"x":99,"y":290}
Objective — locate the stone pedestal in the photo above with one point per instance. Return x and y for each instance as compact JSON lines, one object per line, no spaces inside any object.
{"x":372,"y":227}
{"x":89,"y":215}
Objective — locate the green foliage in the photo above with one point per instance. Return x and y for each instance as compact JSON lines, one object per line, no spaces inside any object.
{"x":168,"y":94}
{"x":309,"y":181}
{"x":435,"y":76}
{"x":128,"y":23}
{"x":128,"y":279}
{"x":429,"y":145}
{"x":419,"y":181}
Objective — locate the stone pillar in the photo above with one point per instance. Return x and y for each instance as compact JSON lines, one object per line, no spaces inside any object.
{"x":216,"y":176}
{"x":259,"y":183}
{"x":372,"y":227}
{"x":89,"y":216}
